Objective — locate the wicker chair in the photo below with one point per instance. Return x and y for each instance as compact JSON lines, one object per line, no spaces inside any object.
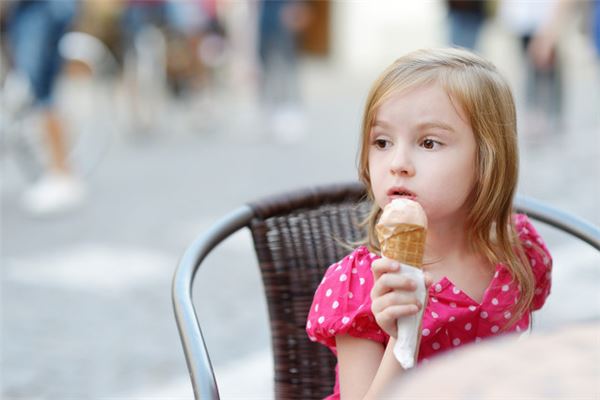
{"x":296,"y":237}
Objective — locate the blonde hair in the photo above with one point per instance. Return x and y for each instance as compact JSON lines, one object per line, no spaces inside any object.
{"x":487,"y":101}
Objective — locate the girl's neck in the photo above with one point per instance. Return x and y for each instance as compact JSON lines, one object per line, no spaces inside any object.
{"x":446,"y":242}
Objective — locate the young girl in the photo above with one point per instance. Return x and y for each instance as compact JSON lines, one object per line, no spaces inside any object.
{"x":439,"y":128}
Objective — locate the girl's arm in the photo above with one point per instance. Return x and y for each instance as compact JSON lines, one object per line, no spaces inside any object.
{"x":365,"y":367}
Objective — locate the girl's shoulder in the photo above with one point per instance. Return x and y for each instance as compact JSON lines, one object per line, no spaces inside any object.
{"x":356,"y":264}
{"x":342,"y":301}
{"x":532,"y":241}
{"x":538,"y":256}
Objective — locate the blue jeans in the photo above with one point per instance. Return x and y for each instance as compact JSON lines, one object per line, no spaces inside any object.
{"x":34,"y":30}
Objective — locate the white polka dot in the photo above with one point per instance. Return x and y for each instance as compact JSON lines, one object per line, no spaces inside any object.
{"x":331,"y":331}
{"x":456,"y":341}
{"x":496,"y":274}
{"x":505,"y":288}
{"x":361,"y":281}
{"x":507,"y":315}
{"x":350,"y":295}
{"x":361,"y":262}
{"x":472,"y":308}
{"x":372,"y":255}
{"x":483,"y":314}
{"x":451,"y":319}
{"x":312,"y":338}
{"x":354,"y":270}
{"x":352,"y":257}
{"x":455,"y":290}
{"x":532,"y":262}
{"x":546,"y":260}
{"x":338,"y":268}
{"x":335,"y":304}
{"x":539,"y":240}
{"x":495,"y":328}
{"x":453,"y":305}
{"x":316,"y":308}
{"x":468,"y":326}
{"x":426,"y":332}
{"x":343,"y":277}
{"x":435,"y":346}
{"x":328,"y":292}
{"x":434,"y":300}
{"x":434,"y":314}
{"x":321,"y":319}
{"x":438,"y":287}
{"x":518,"y":328}
{"x":345,"y":320}
{"x":528,"y":243}
{"x":308,"y":324}
{"x":495,"y":301}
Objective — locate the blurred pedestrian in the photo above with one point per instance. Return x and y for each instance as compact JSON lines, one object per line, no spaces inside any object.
{"x":280,"y":23}
{"x":34,"y":30}
{"x":528,"y":21}
{"x":466,"y":18}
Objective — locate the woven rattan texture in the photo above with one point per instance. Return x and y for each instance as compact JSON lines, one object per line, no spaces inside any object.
{"x":294,"y":249}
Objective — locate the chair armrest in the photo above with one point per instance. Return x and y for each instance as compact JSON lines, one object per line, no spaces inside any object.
{"x":194,"y":347}
{"x":559,"y":219}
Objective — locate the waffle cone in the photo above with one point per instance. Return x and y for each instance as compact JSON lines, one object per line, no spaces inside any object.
{"x":405,"y":243}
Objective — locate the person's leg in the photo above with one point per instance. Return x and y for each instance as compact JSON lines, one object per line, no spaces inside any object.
{"x":34,"y":36}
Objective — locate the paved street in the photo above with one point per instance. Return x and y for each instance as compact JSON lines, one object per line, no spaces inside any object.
{"x":86,"y":309}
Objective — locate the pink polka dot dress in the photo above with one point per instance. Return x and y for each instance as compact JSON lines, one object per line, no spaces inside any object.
{"x":342,"y":302}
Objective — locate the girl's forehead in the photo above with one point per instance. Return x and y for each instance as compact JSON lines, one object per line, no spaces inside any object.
{"x":418,"y":100}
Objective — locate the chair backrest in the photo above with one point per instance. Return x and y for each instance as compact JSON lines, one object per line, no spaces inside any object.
{"x":296,"y":237}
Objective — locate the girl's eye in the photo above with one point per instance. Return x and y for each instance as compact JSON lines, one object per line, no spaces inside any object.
{"x":430,"y":144}
{"x":381,"y":143}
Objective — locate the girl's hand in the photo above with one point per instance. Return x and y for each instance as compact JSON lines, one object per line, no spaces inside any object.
{"x":393,"y":295}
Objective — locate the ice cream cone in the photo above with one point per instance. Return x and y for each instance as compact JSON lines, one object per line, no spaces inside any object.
{"x":405,"y":243}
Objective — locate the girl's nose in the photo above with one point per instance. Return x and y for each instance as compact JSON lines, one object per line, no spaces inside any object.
{"x":402,"y":164}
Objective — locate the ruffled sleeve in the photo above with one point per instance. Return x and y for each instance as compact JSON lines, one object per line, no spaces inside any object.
{"x":539,"y":259}
{"x":342,"y":302}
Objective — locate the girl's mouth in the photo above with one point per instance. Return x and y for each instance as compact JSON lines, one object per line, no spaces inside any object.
{"x":401,"y":192}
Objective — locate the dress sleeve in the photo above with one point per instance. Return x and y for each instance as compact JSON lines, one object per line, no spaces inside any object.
{"x":342,"y":302}
{"x":539,"y":259}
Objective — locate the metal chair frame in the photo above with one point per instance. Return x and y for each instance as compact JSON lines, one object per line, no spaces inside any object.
{"x":197,"y":356}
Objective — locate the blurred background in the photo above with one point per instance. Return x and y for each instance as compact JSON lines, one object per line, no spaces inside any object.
{"x":129,"y":127}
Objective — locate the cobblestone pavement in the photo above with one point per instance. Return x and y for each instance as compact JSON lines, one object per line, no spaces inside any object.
{"x":86,"y":303}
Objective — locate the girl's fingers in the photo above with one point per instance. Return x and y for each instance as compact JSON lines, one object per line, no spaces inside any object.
{"x":391,"y":281}
{"x":384,"y":265}
{"x":394,"y":298}
{"x":386,"y":319}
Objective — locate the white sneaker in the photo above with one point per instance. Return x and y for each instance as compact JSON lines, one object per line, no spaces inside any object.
{"x":52,"y":194}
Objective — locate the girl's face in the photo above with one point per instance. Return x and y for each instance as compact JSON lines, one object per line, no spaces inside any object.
{"x":422,"y":147}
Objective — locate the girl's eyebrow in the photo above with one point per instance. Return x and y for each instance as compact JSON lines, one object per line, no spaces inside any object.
{"x":435,"y":124}
{"x":379,"y":122}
